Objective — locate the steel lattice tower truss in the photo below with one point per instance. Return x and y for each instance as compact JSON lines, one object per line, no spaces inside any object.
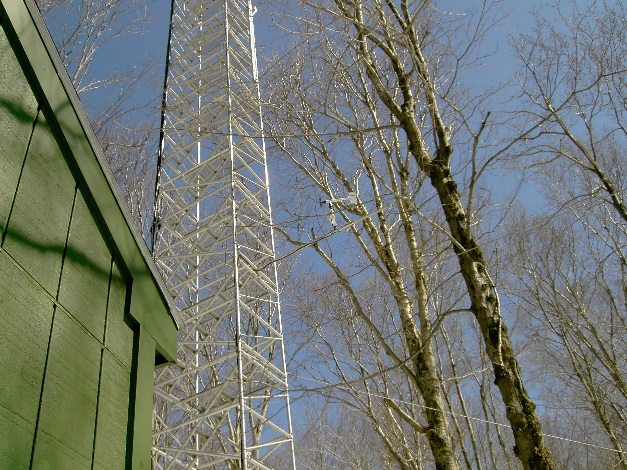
{"x":225,"y":404}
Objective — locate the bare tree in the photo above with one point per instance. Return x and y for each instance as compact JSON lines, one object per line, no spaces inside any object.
{"x":339,"y":438}
{"x":373,"y":97}
{"x":573,"y":296}
{"x":573,"y":78}
{"x":119,"y":96}
{"x":128,"y":153}
{"x":571,"y":264}
{"x":81,"y":29}
{"x":339,"y":346}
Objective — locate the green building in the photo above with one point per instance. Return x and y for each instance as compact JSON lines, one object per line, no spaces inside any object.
{"x":84,"y":317}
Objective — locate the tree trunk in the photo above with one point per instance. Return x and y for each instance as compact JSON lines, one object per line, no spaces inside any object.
{"x":520,"y":409}
{"x":424,"y":370}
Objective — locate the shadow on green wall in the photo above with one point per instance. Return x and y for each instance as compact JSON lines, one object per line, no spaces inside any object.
{"x":71,"y":253}
{"x":16,"y":110}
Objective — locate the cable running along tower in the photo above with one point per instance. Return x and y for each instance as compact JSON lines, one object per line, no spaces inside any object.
{"x":225,"y":404}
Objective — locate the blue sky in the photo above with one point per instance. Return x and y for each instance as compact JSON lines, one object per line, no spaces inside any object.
{"x":151,"y":45}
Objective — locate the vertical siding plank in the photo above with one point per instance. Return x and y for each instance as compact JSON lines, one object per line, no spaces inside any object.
{"x":111,"y":433}
{"x":119,"y":339}
{"x":142,"y":401}
{"x":39,"y":220}
{"x":18,"y":108}
{"x":85,"y":278}
{"x":68,"y":410}
{"x":25,"y":315}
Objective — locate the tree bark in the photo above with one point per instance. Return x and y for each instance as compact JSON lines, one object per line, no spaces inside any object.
{"x":520,"y":409}
{"x":424,"y":373}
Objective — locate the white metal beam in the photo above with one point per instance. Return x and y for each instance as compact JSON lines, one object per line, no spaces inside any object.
{"x":225,"y":404}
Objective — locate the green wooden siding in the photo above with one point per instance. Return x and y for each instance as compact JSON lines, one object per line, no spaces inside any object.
{"x":37,"y":229}
{"x":68,"y":406}
{"x":23,"y":345}
{"x":86,"y":271}
{"x":66,"y":350}
{"x":113,"y":415}
{"x":84,"y":316}
{"x":18,"y":108}
{"x":119,"y":333}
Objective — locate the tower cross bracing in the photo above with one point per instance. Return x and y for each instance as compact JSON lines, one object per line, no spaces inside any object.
{"x":225,"y":403}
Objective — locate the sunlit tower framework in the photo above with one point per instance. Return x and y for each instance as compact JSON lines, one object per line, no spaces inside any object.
{"x":225,"y":403}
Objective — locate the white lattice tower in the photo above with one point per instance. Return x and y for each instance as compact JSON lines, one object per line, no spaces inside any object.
{"x":225,"y":404}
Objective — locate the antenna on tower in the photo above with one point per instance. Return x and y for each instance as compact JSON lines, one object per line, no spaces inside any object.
{"x":352,"y":198}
